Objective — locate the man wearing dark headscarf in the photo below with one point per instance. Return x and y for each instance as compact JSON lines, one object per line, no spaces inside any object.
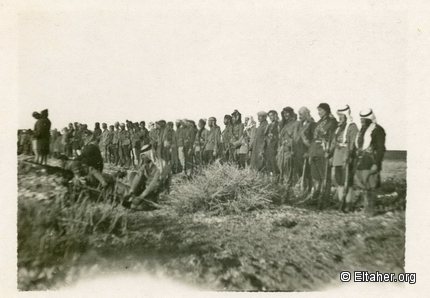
{"x":320,"y":166}
{"x":237,"y":128}
{"x":287,"y":128}
{"x":97,"y":132}
{"x":369,"y":153}
{"x":200,"y":142}
{"x":271,"y":146}
{"x":259,"y":142}
{"x":225,"y":139}
{"x":212,"y":141}
{"x":125,"y":146}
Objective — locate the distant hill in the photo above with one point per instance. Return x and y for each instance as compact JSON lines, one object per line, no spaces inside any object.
{"x":395,"y":155}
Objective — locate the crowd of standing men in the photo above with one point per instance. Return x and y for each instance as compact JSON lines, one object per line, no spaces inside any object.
{"x":291,"y":148}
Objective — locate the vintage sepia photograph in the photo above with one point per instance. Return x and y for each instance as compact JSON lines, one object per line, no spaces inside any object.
{"x":212,"y":146}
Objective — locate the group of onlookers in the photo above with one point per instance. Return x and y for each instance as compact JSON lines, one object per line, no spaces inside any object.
{"x":291,"y":148}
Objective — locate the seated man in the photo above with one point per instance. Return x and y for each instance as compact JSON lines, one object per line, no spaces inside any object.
{"x":89,"y":164}
{"x":153,"y":177}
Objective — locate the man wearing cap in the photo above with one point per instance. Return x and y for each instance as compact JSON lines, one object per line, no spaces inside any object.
{"x":303,"y":137}
{"x":369,"y":151}
{"x":161,"y":127}
{"x":341,"y":149}
{"x":319,"y":163}
{"x":145,"y":133}
{"x":115,"y":144}
{"x":168,"y":141}
{"x":212,"y":141}
{"x":136,"y":142}
{"x":257,"y":150}
{"x":152,"y":179}
{"x":271,"y":146}
{"x":237,"y":128}
{"x":225,"y":139}
{"x":153,"y":136}
{"x":287,"y":129}
{"x":189,"y":140}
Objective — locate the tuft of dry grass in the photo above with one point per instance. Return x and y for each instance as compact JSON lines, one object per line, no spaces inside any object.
{"x":223,"y":189}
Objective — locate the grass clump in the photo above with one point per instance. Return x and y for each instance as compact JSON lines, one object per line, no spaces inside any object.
{"x":223,"y":189}
{"x":52,"y":234}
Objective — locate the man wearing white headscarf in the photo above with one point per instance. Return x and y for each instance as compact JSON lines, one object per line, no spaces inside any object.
{"x":152,"y":179}
{"x":369,"y":152}
{"x":341,"y":149}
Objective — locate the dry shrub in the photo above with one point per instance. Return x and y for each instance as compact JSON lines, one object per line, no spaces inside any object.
{"x":223,"y":189}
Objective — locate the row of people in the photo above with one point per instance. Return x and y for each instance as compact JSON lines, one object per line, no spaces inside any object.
{"x":291,"y":148}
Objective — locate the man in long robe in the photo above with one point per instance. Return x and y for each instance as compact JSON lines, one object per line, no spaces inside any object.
{"x":287,"y":129}
{"x":258,"y":144}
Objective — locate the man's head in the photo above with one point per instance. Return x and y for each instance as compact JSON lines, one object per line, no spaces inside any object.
{"x":170,"y":125}
{"x":122,"y":126}
{"x":70,"y":125}
{"x":104,"y":125}
{"x":227,"y":119}
{"x":117,"y":125}
{"x":304,"y":114}
{"x":262,"y":116}
{"x":97,"y":125}
{"x":236,"y":117}
{"x":323,"y":110}
{"x":246,"y":120}
{"x":344,"y":113}
{"x":36,"y":115}
{"x":202,"y":123}
{"x":273,"y":115}
{"x":76,"y":124}
{"x":367,"y":117}
{"x":142,"y":124}
{"x":178,"y":123}
{"x":44,"y":113}
{"x":111,"y":127}
{"x":287,"y":113}
{"x":212,"y":122}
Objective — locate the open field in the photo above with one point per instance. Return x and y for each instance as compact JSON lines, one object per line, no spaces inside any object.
{"x":223,"y":246}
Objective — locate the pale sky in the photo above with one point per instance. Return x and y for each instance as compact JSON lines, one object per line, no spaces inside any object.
{"x":200,"y":60}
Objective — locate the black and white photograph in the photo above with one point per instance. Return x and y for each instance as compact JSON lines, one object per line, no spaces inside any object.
{"x":174,"y":148}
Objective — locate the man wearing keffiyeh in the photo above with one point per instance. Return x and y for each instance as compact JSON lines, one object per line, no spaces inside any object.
{"x":369,"y":152}
{"x":341,"y":149}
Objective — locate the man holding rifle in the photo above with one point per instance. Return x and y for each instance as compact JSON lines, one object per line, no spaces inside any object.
{"x":341,"y":150}
{"x":369,"y":152}
{"x":318,"y":153}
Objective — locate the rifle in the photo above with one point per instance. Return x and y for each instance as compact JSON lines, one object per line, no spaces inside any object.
{"x":326,"y":147}
{"x":346,"y":185}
